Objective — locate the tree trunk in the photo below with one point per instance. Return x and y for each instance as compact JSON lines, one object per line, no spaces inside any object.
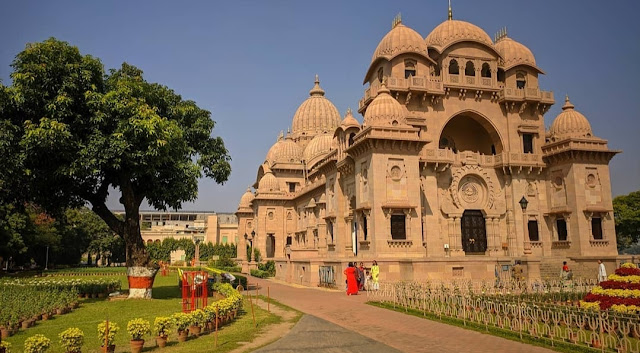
{"x":140,"y":273}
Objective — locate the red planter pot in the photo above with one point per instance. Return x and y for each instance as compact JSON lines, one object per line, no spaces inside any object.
{"x":182,"y":335}
{"x":108,"y":349}
{"x":136,"y":346}
{"x":161,"y":341}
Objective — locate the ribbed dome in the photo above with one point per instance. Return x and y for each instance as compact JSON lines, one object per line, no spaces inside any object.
{"x":316,"y":114}
{"x":453,"y":31}
{"x":318,"y":147}
{"x":268,"y":183}
{"x":514,"y":53}
{"x":384,"y":110}
{"x":349,"y":120}
{"x":569,"y":123}
{"x":246,"y":199}
{"x":288,"y":152}
{"x":273,"y":151}
{"x":401,"y":39}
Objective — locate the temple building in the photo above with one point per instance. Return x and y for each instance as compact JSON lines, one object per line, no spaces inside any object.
{"x":449,"y":174}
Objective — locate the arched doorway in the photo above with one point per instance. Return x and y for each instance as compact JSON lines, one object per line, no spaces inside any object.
{"x":271,"y":245}
{"x":474,"y":232}
{"x":469,"y":131}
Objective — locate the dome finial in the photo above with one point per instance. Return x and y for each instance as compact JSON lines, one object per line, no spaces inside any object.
{"x":567,"y":103}
{"x":316,"y":90}
{"x":349,"y":111}
{"x":450,"y":12}
{"x":396,"y":21}
{"x":383,"y":86}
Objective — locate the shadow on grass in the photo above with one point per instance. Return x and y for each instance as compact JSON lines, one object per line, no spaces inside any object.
{"x":166,"y":292}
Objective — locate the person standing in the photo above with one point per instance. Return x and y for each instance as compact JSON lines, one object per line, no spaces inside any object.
{"x":375,"y":272}
{"x":352,"y":282}
{"x":565,"y":274}
{"x":360,"y":276}
{"x":602,"y":272}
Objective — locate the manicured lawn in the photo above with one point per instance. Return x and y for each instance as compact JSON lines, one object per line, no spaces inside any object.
{"x":166,"y":302}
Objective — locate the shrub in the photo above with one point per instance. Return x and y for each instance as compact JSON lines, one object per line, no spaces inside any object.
{"x":36,"y":344}
{"x":198,"y":317}
{"x":259,"y":273}
{"x":256,"y":255}
{"x":6,"y":345}
{"x":240,"y":280}
{"x":268,"y":267}
{"x":162,"y":326}
{"x":181,"y":320}
{"x":102,"y":329}
{"x":72,"y":339}
{"x":138,"y":328}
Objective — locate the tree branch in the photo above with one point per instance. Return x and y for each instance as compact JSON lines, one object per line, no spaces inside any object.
{"x":100,"y":208}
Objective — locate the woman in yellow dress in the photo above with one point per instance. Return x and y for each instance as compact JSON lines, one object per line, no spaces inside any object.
{"x":375,"y":272}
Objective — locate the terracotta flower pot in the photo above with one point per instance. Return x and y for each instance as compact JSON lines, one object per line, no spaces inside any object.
{"x":45,"y":316}
{"x":195,"y":330}
{"x":182,"y":335}
{"x":25,"y":324}
{"x":136,"y":346}
{"x":161,"y":341}
{"x":59,"y":311}
{"x":4,"y":333}
{"x":108,"y":349}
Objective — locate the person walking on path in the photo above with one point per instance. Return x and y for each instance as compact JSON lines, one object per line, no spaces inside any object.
{"x":352,"y":282}
{"x":361,"y":279}
{"x":602,"y":272}
{"x":375,"y":273}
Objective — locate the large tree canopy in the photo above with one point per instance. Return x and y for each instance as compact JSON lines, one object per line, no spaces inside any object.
{"x":75,"y":132}
{"x":626,"y":210}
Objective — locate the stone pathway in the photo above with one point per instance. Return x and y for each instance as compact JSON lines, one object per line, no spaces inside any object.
{"x":312,"y":334}
{"x":405,"y":333}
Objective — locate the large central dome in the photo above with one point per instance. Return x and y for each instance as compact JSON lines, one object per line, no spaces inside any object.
{"x":315,"y":115}
{"x":453,"y":31}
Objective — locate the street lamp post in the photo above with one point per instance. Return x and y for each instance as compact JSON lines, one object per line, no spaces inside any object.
{"x":527,"y":243}
{"x":46,"y":262}
{"x":253,"y":236}
{"x":198,"y":239}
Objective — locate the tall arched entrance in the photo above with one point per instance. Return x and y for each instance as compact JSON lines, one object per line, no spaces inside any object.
{"x":474,"y":232}
{"x":469,"y":131}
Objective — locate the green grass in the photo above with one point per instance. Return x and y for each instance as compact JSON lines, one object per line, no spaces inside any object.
{"x":166,"y":302}
{"x":495,"y":331}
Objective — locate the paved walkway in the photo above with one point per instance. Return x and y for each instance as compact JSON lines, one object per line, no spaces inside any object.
{"x":403,"y":332}
{"x":312,"y":334}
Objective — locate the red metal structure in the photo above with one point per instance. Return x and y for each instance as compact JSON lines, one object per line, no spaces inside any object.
{"x":194,"y":290}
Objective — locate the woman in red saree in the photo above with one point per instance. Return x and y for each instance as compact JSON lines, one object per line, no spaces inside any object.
{"x":352,"y":282}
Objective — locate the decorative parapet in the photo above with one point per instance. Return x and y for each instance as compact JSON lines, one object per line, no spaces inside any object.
{"x":431,"y":85}
{"x":399,"y":243}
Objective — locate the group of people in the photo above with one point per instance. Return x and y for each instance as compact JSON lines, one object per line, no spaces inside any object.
{"x":360,"y":278}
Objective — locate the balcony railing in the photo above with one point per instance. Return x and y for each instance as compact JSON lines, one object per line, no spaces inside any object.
{"x":447,"y":156}
{"x":525,"y":94}
{"x":427,"y":84}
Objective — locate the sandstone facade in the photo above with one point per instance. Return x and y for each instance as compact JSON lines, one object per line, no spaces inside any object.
{"x":451,"y":174}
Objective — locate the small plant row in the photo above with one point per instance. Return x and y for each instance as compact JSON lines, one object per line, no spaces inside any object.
{"x":207,"y":319}
{"x":86,"y":274}
{"x":22,"y":306}
{"x":85,"y":287}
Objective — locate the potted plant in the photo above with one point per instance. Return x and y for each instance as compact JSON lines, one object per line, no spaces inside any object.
{"x":182,"y":322}
{"x":36,"y":344}
{"x":198,"y":318}
{"x":6,"y":345}
{"x":137,"y":329}
{"x":72,"y":339}
{"x":109,"y":337}
{"x":162,"y":329}
{"x":210,"y":316}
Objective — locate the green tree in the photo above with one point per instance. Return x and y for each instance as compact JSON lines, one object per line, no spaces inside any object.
{"x":81,"y":132}
{"x":626,"y":211}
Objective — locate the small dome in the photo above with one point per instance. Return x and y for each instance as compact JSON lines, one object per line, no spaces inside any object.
{"x":349,"y":120}
{"x":288,"y":152}
{"x":384,"y":110}
{"x":514,"y":53}
{"x":273,"y":152}
{"x":317,"y":148}
{"x":453,"y":31}
{"x":246,"y":199}
{"x":268,"y":183}
{"x":316,"y":114}
{"x":569,"y":123}
{"x":400,"y":39}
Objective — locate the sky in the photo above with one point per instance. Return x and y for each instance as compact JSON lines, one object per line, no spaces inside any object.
{"x":252,"y":63}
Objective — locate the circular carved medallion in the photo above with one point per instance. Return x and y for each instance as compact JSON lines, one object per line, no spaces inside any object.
{"x":558,"y":182}
{"x":591,"y":180}
{"x":396,"y":173}
{"x":270,"y":215}
{"x":469,"y":192}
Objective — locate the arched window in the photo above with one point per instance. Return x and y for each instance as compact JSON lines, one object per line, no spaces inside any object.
{"x":500,"y":75}
{"x":453,"y":67}
{"x":521,"y":79}
{"x":436,"y":71}
{"x":380,"y":74}
{"x":351,"y":136}
{"x":486,"y":70}
{"x":470,"y":69}
{"x":409,"y":68}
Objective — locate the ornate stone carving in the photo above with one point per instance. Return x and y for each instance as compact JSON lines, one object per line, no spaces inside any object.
{"x":472,"y":178}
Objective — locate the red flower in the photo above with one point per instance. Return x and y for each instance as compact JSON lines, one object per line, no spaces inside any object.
{"x":622,"y":271}
{"x":619,"y":285}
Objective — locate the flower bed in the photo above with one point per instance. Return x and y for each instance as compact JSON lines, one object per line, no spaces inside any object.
{"x":82,"y":286}
{"x":22,"y":305}
{"x":620,"y":293}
